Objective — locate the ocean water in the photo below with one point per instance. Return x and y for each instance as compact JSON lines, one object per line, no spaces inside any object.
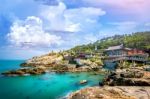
{"x":45,"y":86}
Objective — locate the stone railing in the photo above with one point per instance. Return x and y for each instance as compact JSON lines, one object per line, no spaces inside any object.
{"x":125,"y":58}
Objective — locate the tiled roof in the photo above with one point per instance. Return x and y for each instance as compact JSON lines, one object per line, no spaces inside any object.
{"x":115,"y":47}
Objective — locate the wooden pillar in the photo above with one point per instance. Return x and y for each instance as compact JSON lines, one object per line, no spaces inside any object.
{"x":132,"y":63}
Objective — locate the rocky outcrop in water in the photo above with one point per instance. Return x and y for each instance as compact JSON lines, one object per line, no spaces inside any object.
{"x":24,"y":71}
{"x":130,"y":77}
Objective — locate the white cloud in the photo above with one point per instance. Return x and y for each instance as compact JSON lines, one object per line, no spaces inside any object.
{"x":30,"y":33}
{"x":72,"y":27}
{"x":33,"y":31}
{"x":73,"y":20}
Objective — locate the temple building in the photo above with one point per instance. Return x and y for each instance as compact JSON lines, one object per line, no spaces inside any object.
{"x":119,"y":53}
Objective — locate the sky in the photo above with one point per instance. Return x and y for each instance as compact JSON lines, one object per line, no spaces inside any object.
{"x":34,"y":27}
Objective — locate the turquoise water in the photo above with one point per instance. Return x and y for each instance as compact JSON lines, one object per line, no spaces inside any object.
{"x":9,"y":64}
{"x":46,"y":86}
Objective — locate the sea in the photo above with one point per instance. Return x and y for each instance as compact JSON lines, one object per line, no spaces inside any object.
{"x":46,"y":86}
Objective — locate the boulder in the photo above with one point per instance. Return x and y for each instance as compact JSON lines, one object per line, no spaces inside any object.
{"x":100,"y":93}
{"x":132,"y":74}
{"x":120,"y":81}
{"x":60,"y":68}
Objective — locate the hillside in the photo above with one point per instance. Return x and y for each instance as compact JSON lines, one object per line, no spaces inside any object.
{"x":140,"y":40}
{"x":66,"y":61}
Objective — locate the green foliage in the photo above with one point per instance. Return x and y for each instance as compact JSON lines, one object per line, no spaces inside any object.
{"x":149,"y":58}
{"x":96,"y":60}
{"x":125,"y":64}
{"x":140,"y":40}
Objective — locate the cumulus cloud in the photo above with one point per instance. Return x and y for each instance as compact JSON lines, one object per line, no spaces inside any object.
{"x":72,"y":20}
{"x":29,"y":32}
{"x":75,"y":25}
{"x":55,"y":26}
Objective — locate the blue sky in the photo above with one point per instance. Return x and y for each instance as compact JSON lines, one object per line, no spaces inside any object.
{"x":34,"y":27}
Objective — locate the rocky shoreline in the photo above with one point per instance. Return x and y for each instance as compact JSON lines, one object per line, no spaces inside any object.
{"x":120,"y":79}
{"x":38,"y":71}
{"x":131,"y":83}
{"x":55,"y":62}
{"x":59,"y":68}
{"x":107,"y":92}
